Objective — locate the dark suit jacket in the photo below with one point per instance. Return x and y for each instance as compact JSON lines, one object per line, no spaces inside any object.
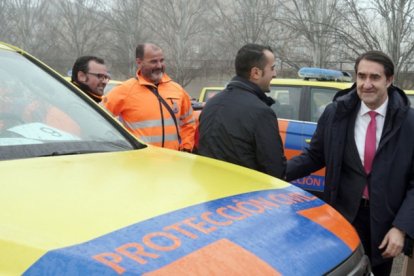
{"x":392,"y":176}
{"x":353,"y":177}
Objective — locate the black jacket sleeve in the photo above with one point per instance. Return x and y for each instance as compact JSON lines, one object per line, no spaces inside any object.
{"x":269,"y":147}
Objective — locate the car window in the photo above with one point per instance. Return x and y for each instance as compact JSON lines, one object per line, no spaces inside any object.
{"x":287,"y":101}
{"x":36,"y":110}
{"x":411,"y":98}
{"x":282,"y":96}
{"x":320,"y":97}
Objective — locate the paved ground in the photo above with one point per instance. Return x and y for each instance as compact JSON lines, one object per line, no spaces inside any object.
{"x":397,"y":266}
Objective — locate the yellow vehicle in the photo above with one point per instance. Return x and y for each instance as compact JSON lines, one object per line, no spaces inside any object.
{"x":207,"y":92}
{"x":410,"y":95}
{"x":297,"y":99}
{"x":81,"y":196}
{"x":299,"y":104}
{"x":303,"y":100}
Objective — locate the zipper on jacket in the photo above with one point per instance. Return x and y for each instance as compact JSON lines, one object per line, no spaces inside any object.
{"x":162,"y":117}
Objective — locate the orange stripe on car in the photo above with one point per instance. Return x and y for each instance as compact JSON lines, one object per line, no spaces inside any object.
{"x":222,"y":257}
{"x":335,"y":223}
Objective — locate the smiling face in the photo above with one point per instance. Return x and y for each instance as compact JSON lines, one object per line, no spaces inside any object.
{"x":262,"y":77}
{"x":96,"y":78}
{"x":152,"y":65}
{"x":268,"y":72}
{"x":372,"y":83}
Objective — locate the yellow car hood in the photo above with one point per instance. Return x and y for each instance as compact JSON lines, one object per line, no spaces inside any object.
{"x":53,"y":202}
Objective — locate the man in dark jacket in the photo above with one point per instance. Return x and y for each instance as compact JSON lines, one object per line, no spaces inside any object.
{"x":90,"y":74}
{"x":238,"y":125}
{"x":373,"y":190}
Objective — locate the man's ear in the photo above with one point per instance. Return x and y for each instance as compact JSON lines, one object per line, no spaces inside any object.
{"x":255,"y":73}
{"x":390,"y":80}
{"x":82,"y":77}
{"x":138,"y":61}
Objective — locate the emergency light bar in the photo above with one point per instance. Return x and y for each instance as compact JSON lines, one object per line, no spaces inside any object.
{"x":321,"y":74}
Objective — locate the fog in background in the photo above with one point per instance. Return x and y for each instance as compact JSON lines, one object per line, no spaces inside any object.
{"x":200,"y":37}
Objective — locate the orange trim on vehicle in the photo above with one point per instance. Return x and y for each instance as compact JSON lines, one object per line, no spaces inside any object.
{"x":222,"y":257}
{"x":283,"y":124}
{"x":331,"y":220}
{"x":289,"y":153}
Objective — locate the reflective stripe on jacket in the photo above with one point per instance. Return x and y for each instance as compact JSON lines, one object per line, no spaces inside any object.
{"x":139,"y":109}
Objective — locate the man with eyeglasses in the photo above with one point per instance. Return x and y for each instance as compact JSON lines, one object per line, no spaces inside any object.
{"x":90,"y":74}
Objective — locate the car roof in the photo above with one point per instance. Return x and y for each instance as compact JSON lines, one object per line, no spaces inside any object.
{"x":288,"y":82}
{"x":9,"y":47}
{"x":301,"y":82}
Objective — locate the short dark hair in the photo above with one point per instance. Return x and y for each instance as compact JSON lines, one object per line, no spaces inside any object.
{"x":82,"y":65}
{"x":249,"y":56}
{"x":139,"y":52}
{"x":378,"y":57}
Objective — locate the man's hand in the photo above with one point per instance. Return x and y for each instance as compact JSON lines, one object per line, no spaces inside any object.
{"x":393,"y":243}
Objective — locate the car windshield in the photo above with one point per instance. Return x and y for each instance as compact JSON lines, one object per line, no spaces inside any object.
{"x":40,"y":116}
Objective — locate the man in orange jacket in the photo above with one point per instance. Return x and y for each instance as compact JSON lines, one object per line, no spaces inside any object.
{"x":152,"y":106}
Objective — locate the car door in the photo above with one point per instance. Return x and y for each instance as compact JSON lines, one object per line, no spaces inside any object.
{"x":298,"y":108}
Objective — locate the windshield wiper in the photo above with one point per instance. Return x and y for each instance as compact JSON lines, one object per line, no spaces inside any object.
{"x":72,"y":152}
{"x":116,"y":145}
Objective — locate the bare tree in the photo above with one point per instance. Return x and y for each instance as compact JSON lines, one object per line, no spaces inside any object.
{"x":253,"y":21}
{"x":245,"y":21}
{"x":311,"y":24}
{"x":5,"y":21}
{"x":28,"y":25}
{"x":381,"y":25}
{"x":80,"y":26}
{"x":200,"y":37}
{"x":126,"y":22}
{"x":179,"y":25}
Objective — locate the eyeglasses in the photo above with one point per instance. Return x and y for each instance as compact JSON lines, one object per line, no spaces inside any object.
{"x":100,"y":76}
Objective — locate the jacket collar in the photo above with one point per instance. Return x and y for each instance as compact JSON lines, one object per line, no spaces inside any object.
{"x":250,"y":87}
{"x":86,"y":90}
{"x":347,"y":100}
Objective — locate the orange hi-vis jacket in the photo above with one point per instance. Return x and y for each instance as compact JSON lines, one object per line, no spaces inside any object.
{"x":139,"y":109}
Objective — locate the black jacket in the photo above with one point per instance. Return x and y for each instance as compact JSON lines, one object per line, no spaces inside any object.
{"x":392,"y":174}
{"x":87,"y":91}
{"x":238,"y":126}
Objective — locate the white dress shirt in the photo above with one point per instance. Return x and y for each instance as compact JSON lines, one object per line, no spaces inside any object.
{"x":361,"y":125}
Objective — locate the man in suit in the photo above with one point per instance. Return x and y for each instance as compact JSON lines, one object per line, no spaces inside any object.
{"x":364,"y":139}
